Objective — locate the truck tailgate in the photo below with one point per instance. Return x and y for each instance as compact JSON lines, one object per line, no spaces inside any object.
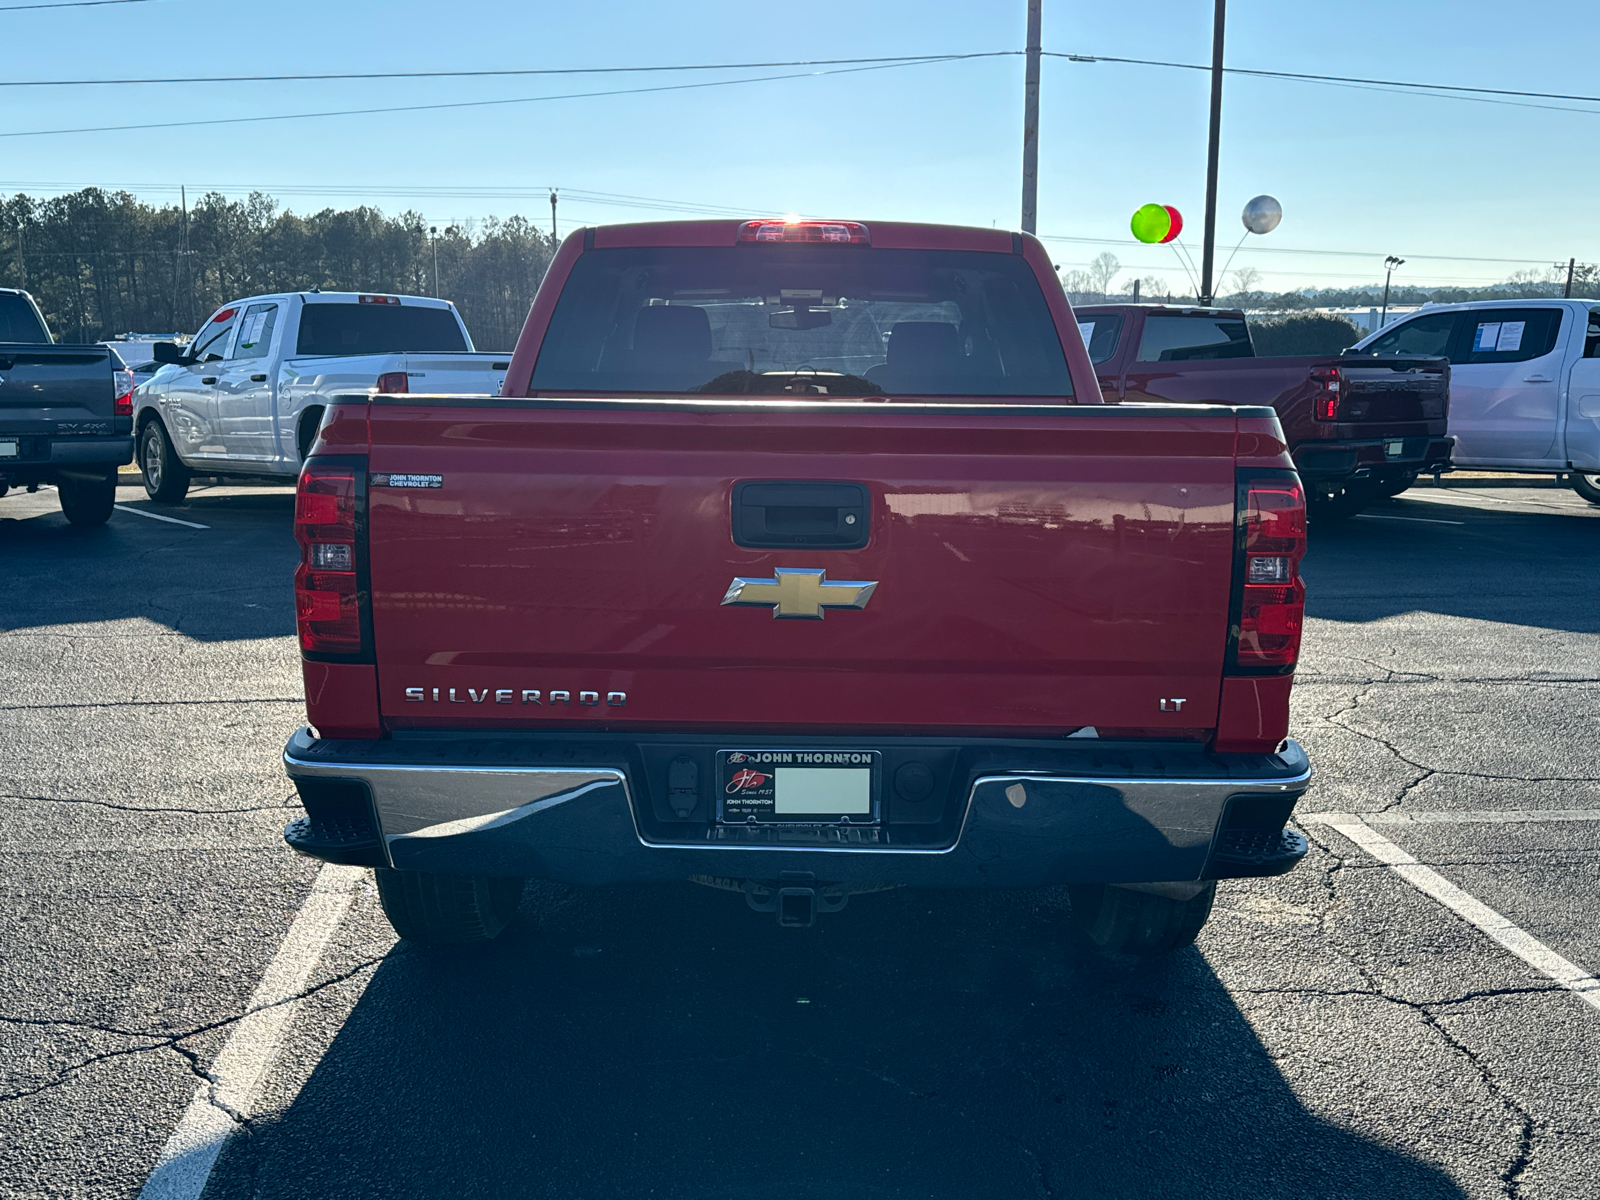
{"x":1037,"y":569}
{"x":56,"y":389}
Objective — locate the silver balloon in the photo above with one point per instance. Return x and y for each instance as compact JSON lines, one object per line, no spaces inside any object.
{"x":1262,"y":214}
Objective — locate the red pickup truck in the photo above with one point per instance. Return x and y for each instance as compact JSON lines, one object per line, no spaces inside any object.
{"x":799,"y":559}
{"x":1359,"y":428}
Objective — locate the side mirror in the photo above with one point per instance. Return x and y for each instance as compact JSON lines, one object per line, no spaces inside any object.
{"x":167,"y":352}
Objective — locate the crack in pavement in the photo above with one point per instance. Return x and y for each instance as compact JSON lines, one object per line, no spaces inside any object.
{"x":290,"y":801}
{"x":166,"y":1041}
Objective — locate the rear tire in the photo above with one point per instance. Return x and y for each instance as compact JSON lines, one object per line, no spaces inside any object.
{"x":1587,"y":486}
{"x":87,"y":502}
{"x":1322,"y":507}
{"x":1393,"y":487}
{"x":447,"y":910}
{"x":1124,"y":921}
{"x":166,"y":478}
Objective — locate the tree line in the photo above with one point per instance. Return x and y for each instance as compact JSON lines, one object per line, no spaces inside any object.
{"x":101,"y":263}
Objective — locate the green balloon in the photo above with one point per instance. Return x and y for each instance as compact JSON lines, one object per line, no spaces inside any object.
{"x":1151,"y":223}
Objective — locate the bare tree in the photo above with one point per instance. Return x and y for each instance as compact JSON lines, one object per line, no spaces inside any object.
{"x":1102,"y":271}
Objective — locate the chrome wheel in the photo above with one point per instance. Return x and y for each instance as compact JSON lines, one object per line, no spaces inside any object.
{"x":152,"y":459}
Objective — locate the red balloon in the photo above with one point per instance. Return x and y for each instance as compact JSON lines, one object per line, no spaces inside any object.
{"x":1177,"y":224}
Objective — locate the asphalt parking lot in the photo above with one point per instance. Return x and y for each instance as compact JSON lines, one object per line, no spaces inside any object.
{"x":1336,"y":1032}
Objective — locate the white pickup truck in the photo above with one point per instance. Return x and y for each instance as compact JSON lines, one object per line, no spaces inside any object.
{"x":246,"y":395}
{"x":1524,"y":382}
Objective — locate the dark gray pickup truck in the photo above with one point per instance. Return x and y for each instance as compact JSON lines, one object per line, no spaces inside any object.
{"x":66,"y":414}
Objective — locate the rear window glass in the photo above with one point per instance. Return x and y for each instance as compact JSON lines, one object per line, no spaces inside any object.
{"x":18,"y":321}
{"x":802,"y":320}
{"x":1186,"y":339}
{"x":1495,"y":335}
{"x":1101,"y":335}
{"x":334,"y":329}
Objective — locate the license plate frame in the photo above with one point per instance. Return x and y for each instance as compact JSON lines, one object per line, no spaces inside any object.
{"x":10,"y":447}
{"x":1394,"y":448}
{"x":792,"y":787}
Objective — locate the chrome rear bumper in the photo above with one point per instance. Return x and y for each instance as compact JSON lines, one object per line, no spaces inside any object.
{"x":439,"y":806}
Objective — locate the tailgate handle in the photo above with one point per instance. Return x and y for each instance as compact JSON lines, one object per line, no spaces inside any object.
{"x":772,"y":514}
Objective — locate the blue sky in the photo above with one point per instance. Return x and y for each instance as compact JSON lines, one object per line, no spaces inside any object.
{"x":1360,"y":173}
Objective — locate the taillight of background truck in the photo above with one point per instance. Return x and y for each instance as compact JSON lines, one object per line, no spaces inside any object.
{"x":393,"y":383}
{"x":1325,"y":401}
{"x":1271,"y":596}
{"x":329,"y":587}
{"x":122,"y":385}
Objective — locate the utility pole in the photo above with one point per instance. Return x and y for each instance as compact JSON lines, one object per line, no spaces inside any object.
{"x":1030,"y":126}
{"x":552,"y":216}
{"x":1571,"y":264}
{"x":1208,"y":254}
{"x":433,"y":236}
{"x":1389,"y":264}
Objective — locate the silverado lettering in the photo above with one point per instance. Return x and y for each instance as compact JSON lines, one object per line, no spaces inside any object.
{"x":1076,"y":671}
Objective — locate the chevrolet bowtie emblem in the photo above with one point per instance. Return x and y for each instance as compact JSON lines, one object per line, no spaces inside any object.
{"x":800,"y":592}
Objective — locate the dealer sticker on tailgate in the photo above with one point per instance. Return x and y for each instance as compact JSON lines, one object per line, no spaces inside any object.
{"x":798,"y":786}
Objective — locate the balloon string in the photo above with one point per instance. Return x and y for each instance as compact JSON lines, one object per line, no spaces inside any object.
{"x":1182,"y":253}
{"x":1229,"y":263}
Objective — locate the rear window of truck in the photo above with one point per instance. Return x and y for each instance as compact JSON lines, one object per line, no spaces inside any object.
{"x":1192,"y":339}
{"x":809,"y":320}
{"x":19,"y":322}
{"x":335,"y":329}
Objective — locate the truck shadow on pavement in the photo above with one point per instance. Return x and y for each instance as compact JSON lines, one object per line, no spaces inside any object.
{"x":1512,"y":566}
{"x":233,"y":580}
{"x":667,"y":1042}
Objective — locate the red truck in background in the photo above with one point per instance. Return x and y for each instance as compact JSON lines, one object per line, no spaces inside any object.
{"x":799,"y":559}
{"x":1359,"y":428}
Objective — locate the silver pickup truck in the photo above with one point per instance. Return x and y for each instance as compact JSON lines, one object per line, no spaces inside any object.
{"x":66,"y":414}
{"x":245,"y":397}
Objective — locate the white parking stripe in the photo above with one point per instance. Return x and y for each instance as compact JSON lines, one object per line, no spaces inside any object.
{"x":1490,"y":816}
{"x":186,"y":1160}
{"x":139,"y":512}
{"x":1521,"y":943}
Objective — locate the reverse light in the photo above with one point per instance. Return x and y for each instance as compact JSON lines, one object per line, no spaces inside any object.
{"x":1270,"y":595}
{"x":122,"y":384}
{"x":811,"y":232}
{"x":330,"y":595}
{"x":1325,"y":400}
{"x":393,"y":383}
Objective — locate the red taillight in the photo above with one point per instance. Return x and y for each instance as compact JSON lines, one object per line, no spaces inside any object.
{"x":329,"y":524}
{"x":122,"y":387}
{"x":842,"y":233}
{"x":393,"y":382}
{"x":1271,"y":540}
{"x":1325,"y":400}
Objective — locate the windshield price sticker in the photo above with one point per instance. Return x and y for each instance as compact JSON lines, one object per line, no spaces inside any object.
{"x":1499,"y":337}
{"x":797,"y":786}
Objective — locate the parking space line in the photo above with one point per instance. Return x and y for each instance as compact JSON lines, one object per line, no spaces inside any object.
{"x":139,"y":512}
{"x":186,"y":1160}
{"x":1508,"y":816}
{"x":1515,"y":939}
{"x":1418,"y":520}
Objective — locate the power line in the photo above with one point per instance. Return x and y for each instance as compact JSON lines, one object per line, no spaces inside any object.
{"x":1448,"y":91}
{"x":356,"y":112}
{"x":902,"y":59}
{"x":68,"y":4}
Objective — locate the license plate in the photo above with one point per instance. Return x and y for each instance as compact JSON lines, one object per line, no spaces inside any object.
{"x":798,"y":787}
{"x":10,"y":448}
{"x":1394,"y":449}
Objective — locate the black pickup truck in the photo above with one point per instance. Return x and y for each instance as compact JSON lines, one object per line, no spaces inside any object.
{"x":66,"y":414}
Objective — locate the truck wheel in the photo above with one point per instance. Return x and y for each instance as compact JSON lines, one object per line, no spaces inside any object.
{"x":1587,"y":486}
{"x":166,"y":479}
{"x":447,"y":910}
{"x":87,"y":501}
{"x":1124,"y":921}
{"x":310,"y":422}
{"x":1393,"y":487}
{"x":1322,"y":507}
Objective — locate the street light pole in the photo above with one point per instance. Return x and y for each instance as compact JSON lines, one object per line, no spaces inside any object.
{"x":1389,"y":264}
{"x":1030,"y":126}
{"x":1208,"y":253}
{"x":433,"y":236}
{"x":552,"y":216}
